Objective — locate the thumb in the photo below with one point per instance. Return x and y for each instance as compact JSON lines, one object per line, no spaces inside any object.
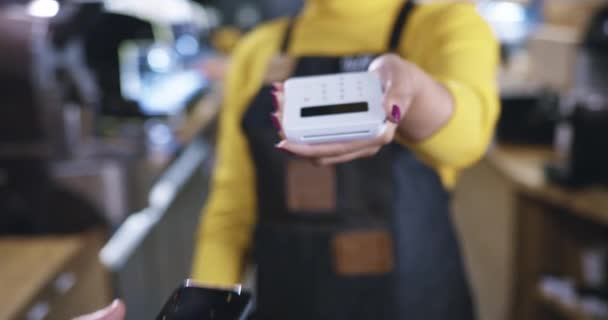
{"x":115,"y":311}
{"x":384,"y":67}
{"x":396,"y":84}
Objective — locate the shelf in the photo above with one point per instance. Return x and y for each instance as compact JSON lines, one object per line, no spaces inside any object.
{"x":523,"y":167}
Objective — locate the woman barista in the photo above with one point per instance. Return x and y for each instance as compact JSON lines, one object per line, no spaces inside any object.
{"x":365,"y":233}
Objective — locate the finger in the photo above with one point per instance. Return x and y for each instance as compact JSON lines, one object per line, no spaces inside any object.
{"x":395,"y":105}
{"x":383,"y":67}
{"x":278,"y":93}
{"x":278,"y":86}
{"x":277,"y":99}
{"x":363,"y":153}
{"x":396,"y":101}
{"x":280,"y":98}
{"x":390,"y":102}
{"x":389,"y":133}
{"x":324,"y":150}
{"x":278,"y":125}
{"x":115,"y":311}
{"x":337,"y":149}
{"x":277,"y":116}
{"x":386,"y":138}
{"x":398,"y":84}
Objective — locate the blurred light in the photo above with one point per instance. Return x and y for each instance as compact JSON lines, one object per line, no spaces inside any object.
{"x":43,"y":8}
{"x":168,"y":94}
{"x":160,"y":134}
{"x":508,"y":19}
{"x":159,"y":59}
{"x":186,"y":45}
{"x":158,"y":11}
{"x":506,"y":12}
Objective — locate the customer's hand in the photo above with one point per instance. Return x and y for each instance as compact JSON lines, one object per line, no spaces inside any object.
{"x":115,"y":311}
{"x":403,"y":83}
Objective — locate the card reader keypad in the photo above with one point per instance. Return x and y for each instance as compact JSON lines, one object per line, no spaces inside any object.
{"x":334,"y":92}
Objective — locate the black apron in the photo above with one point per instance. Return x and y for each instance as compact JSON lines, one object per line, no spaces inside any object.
{"x":300,"y":275}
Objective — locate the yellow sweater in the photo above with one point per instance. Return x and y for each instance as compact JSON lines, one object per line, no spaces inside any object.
{"x":450,"y":41}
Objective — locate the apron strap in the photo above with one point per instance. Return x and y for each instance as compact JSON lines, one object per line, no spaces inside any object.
{"x":396,"y":32}
{"x":287,"y":36}
{"x":400,"y":24}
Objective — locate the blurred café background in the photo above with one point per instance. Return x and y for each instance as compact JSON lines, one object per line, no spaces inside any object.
{"x":107,"y":120}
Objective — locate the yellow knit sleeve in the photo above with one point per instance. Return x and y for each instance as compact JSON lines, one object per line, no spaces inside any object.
{"x":228,"y":217}
{"x":225,"y":232}
{"x":460,"y":51}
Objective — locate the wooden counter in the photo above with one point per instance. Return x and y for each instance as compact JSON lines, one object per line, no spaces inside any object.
{"x":50,"y":277}
{"x":523,"y":166}
{"x":553,"y":227}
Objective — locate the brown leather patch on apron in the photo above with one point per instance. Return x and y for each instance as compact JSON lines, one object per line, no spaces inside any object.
{"x":363,"y":252}
{"x":280,"y":67}
{"x":310,"y":188}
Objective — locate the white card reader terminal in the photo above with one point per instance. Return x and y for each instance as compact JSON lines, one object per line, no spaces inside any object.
{"x":333,"y":108}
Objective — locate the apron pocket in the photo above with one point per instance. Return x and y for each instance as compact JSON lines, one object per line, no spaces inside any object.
{"x":363,"y":253}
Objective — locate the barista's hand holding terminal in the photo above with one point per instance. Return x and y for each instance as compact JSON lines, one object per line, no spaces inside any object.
{"x":416,"y":107}
{"x":367,"y":235}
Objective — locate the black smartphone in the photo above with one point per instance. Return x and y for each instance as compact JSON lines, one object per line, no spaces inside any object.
{"x":194,"y":301}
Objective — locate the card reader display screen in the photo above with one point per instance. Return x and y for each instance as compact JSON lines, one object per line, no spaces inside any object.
{"x":334,"y":109}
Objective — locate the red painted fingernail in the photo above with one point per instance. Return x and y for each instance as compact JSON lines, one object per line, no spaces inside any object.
{"x":396,"y":114}
{"x":275,"y":102}
{"x":275,"y":122}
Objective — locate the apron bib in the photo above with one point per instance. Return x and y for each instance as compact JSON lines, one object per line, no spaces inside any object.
{"x":368,"y":239}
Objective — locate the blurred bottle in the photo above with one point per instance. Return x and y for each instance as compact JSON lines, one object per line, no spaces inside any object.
{"x":592,"y":59}
{"x":580,"y":137}
{"x":594,"y":289}
{"x":580,"y":144}
{"x":594,"y":265}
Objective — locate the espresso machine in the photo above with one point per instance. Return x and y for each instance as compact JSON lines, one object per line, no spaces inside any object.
{"x":62,"y":79}
{"x":581,"y":135}
{"x":36,"y":107}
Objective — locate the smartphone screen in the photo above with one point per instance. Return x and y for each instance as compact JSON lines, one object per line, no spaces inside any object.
{"x":195,"y":302}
